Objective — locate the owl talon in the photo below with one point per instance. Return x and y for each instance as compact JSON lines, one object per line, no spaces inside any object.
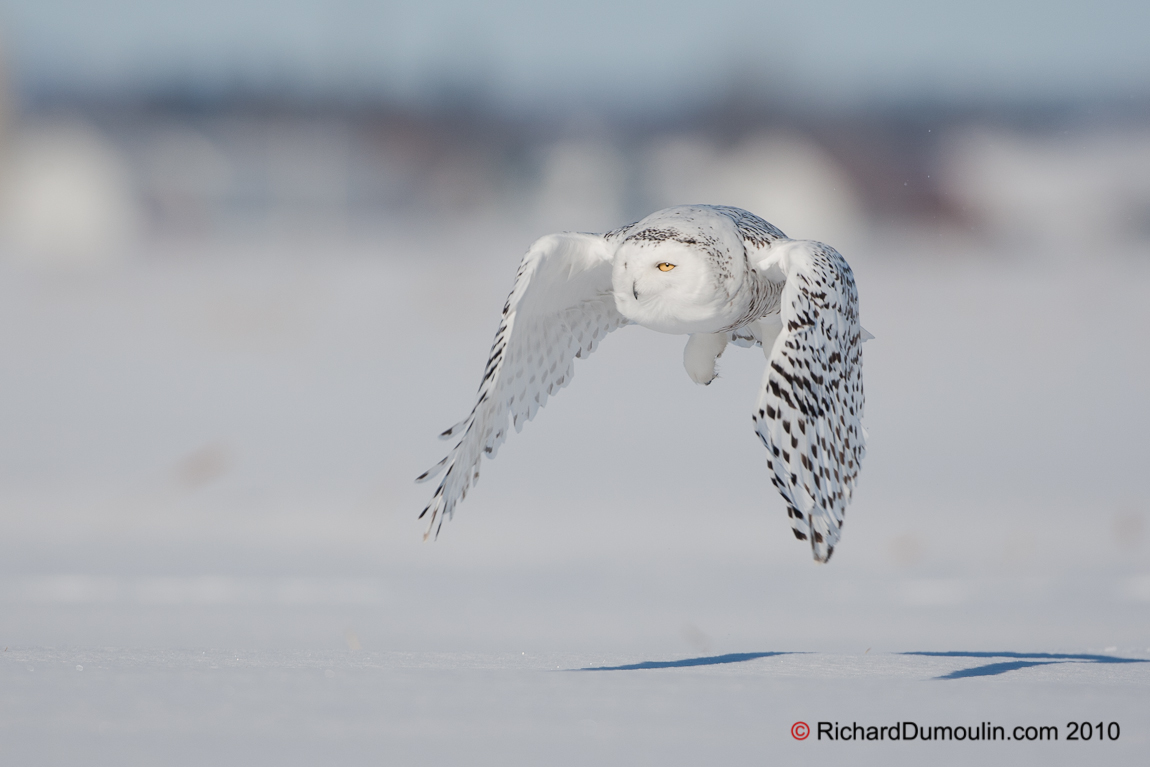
{"x":703,"y":349}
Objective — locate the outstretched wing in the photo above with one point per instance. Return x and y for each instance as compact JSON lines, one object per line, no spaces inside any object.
{"x":809,"y":413}
{"x":560,"y":308}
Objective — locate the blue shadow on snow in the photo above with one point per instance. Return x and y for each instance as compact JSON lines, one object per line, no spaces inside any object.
{"x":713,"y":660}
{"x":1040,"y":659}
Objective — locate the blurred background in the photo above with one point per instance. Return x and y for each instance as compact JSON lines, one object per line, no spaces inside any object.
{"x":252,"y":255}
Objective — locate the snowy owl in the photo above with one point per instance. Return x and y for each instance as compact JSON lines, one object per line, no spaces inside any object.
{"x":719,"y":275}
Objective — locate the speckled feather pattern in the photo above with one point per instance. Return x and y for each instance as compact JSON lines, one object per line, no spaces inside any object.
{"x":809,"y":414}
{"x":810,"y":406}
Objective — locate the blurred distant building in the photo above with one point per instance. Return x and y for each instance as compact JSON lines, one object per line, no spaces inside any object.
{"x":67,"y":198}
{"x":1082,"y":189}
{"x":785,"y":175}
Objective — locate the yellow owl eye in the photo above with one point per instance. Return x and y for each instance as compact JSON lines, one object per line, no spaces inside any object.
{"x":665,"y":267}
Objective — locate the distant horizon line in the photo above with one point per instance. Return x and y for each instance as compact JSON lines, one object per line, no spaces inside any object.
{"x":184,"y":96}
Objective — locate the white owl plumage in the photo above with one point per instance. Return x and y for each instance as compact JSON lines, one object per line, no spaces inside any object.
{"x":721,"y":275}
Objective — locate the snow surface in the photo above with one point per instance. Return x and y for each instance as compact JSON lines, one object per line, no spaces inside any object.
{"x":219,"y":707}
{"x":206,"y":497}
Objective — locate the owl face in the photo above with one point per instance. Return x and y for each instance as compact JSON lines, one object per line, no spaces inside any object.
{"x":672,"y":286}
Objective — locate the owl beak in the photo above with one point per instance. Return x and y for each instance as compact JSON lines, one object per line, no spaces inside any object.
{"x":635,"y":290}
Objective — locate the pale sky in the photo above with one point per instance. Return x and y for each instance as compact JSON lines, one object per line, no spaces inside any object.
{"x":639,"y":53}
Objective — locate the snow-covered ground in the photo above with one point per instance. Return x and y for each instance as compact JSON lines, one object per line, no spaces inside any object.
{"x":187,"y":707}
{"x":206,"y":502}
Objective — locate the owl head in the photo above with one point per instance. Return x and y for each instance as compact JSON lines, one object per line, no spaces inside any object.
{"x":675,"y":272}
